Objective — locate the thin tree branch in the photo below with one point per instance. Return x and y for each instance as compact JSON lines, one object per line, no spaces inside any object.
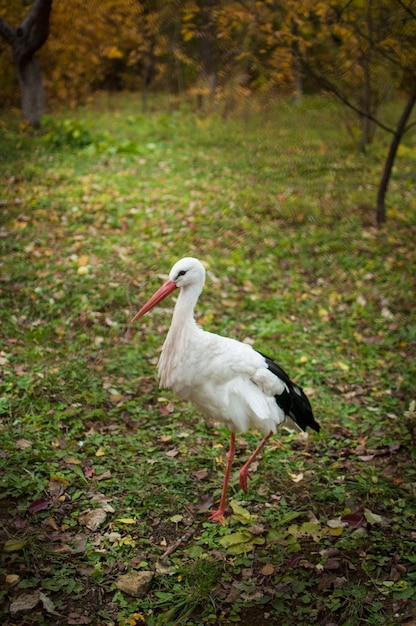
{"x":406,"y":8}
{"x":329,"y":86}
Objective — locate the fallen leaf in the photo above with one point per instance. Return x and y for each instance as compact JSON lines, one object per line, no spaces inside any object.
{"x":201,"y":474}
{"x":342,"y":366}
{"x":240,"y":513}
{"x":25,"y":602}
{"x":374,"y":518}
{"x":296,"y":477}
{"x":49,"y":522}
{"x":38,"y":505}
{"x":23,"y":443}
{"x":267,"y":570}
{"x":103,"y":502}
{"x":204,"y":503}
{"x":93,"y":519}
{"x":354,"y":520}
{"x":104,"y":476}
{"x":336,"y":523}
{"x":293,"y":561}
{"x":240,"y":542}
{"x":48,"y":605}
{"x":13,"y":545}
{"x":163,"y":569}
{"x":83,"y":260}
{"x":12,"y":579}
{"x":59,"y":479}
{"x":78,"y":618}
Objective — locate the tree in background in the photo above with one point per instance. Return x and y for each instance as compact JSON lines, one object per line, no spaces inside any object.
{"x":25,"y":40}
{"x":363,"y":51}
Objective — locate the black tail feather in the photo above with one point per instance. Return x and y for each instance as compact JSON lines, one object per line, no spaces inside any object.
{"x":293,"y":401}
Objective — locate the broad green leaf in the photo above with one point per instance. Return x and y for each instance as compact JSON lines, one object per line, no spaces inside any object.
{"x":372,"y":518}
{"x":238,"y":537}
{"x":239,"y":513}
{"x":13,"y":545}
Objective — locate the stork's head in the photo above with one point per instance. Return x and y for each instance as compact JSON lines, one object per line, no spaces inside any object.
{"x":186,"y":273}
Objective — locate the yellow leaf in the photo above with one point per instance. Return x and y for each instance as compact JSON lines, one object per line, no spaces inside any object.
{"x":126,"y":541}
{"x":126,"y":520}
{"x":342,"y":366}
{"x":323,"y":314}
{"x":83,"y":260}
{"x":12,"y":545}
{"x":100,"y":452}
{"x":114,"y":53}
{"x":60,"y":479}
{"x":187,"y":35}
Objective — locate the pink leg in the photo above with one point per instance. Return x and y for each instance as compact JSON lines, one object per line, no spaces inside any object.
{"x":218,"y":515}
{"x":244,"y":473}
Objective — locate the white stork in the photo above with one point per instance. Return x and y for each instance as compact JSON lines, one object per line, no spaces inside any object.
{"x":228,"y":381}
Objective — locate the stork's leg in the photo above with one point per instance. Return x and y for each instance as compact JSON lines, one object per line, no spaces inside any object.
{"x":244,"y":473}
{"x":218,"y":515}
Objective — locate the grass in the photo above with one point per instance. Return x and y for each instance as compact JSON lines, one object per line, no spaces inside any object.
{"x":280,"y":207}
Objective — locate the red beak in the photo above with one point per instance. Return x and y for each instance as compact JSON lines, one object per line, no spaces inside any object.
{"x":160,"y":294}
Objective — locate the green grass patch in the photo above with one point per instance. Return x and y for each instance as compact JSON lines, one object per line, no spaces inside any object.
{"x":101,"y":473}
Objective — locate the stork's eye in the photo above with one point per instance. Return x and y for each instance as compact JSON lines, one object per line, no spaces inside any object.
{"x":181,"y":273}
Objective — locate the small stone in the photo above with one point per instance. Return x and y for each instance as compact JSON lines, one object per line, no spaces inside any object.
{"x":135,"y":584}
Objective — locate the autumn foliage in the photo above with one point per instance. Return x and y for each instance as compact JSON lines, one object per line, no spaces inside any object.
{"x":228,"y":49}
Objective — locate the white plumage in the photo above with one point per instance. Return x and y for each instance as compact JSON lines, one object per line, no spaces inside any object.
{"x":225,"y":379}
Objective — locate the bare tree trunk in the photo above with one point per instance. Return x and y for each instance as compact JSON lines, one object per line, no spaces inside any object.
{"x":25,"y":41}
{"x":388,"y":166}
{"x":33,"y":93}
{"x":207,"y":35}
{"x":296,"y":64}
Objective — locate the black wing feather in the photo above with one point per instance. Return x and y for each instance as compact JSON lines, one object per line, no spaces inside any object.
{"x":293,"y":401}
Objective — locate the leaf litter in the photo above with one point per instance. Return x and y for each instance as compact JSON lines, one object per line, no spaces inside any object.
{"x":327,"y":527}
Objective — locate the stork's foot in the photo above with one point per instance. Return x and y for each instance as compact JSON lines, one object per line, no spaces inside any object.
{"x":244,"y":475}
{"x":218,"y":516}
